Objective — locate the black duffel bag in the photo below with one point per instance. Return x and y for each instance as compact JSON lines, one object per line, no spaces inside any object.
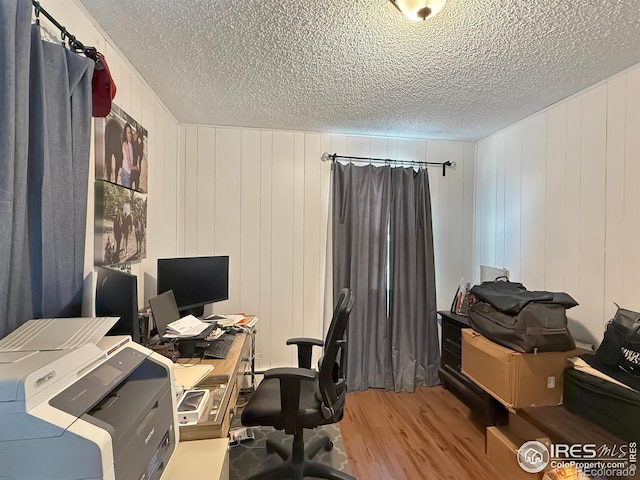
{"x":538,"y":327}
{"x":511,"y":297}
{"x":620,"y":347}
{"x":525,"y":321}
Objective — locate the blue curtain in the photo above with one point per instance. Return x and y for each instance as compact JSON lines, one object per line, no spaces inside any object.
{"x":15,"y":299}
{"x":44,"y":160}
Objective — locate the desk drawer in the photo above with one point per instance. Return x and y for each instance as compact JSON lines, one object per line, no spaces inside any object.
{"x":451,"y":358}
{"x":211,"y":425}
{"x":453,"y":347}
{"x":451,"y":330}
{"x":245,"y":364}
{"x":229,"y":372}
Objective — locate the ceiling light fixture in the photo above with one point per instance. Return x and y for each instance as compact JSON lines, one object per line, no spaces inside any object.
{"x":419,"y":10}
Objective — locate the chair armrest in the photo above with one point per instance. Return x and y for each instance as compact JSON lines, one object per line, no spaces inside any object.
{"x":304,"y":340}
{"x":291,"y":373}
{"x":305,"y":345}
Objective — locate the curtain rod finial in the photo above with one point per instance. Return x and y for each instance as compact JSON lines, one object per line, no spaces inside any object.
{"x":326,"y":157}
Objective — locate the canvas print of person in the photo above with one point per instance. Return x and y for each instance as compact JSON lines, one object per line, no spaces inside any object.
{"x":121,"y":150}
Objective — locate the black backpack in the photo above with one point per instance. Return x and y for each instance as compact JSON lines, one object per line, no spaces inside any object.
{"x":620,"y":347}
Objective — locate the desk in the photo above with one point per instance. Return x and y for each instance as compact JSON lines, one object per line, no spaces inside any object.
{"x":202,"y":459}
{"x":203,"y":450}
{"x":229,"y":372}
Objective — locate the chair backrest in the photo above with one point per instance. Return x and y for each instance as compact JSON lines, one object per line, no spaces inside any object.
{"x":332,"y":384}
{"x":336,"y":311}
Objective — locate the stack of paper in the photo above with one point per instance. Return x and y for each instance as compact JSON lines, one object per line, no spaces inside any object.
{"x":230,"y":320}
{"x":248,"y":321}
{"x":237,"y":320}
{"x":188,"y":326}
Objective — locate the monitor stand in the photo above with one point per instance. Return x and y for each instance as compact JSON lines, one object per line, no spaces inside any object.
{"x":195,"y":311}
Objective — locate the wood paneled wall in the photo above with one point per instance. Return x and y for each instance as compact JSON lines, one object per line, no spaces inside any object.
{"x":138,"y":100}
{"x":556,"y":201}
{"x":262,"y":197}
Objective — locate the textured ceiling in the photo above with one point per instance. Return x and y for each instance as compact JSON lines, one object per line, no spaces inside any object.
{"x":361,"y":67}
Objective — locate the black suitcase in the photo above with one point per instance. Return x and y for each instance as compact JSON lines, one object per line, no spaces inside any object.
{"x":525,"y":321}
{"x":538,"y":327}
{"x":608,"y":405}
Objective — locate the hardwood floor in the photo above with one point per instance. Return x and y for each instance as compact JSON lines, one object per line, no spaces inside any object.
{"x":413,"y":436}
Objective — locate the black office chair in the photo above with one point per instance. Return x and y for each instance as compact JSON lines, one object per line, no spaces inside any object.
{"x":297,"y":398}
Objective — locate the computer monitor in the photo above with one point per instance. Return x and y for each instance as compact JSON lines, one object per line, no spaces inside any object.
{"x":117,"y":296}
{"x":164,"y":311}
{"x":195,"y":281}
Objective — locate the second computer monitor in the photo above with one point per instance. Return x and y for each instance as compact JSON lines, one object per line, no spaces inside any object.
{"x":195,"y":281}
{"x":117,"y":296}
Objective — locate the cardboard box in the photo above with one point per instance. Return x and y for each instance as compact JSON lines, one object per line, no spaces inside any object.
{"x":522,"y":429}
{"x":191,"y":406}
{"x":515,"y":379}
{"x":502,"y":450}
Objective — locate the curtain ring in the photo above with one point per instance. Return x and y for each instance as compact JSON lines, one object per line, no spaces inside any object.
{"x":63,"y":34}
{"x":36,"y":5}
{"x":71,"y":40}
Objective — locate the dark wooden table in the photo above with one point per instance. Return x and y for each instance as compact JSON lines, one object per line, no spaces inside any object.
{"x":486,"y":409}
{"x":562,"y":426}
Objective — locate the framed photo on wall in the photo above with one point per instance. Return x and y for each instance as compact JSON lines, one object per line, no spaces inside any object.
{"x":120,"y":230}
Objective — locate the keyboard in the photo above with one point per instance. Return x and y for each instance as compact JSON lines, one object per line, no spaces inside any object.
{"x":220,"y":348}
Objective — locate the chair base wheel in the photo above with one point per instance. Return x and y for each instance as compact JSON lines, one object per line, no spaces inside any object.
{"x":297,"y":462}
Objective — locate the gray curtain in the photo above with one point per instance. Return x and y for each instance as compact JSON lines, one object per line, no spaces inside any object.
{"x":361,"y":203}
{"x":383,"y":251}
{"x":44,"y":159}
{"x":415,"y":352}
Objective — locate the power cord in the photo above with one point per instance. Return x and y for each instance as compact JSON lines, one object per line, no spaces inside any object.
{"x":188,"y":364}
{"x":262,"y":462}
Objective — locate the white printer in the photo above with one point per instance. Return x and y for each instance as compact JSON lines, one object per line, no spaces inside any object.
{"x":74,"y":405}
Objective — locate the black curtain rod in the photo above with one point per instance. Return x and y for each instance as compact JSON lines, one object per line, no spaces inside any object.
{"x":73,"y":41}
{"x":332,"y":157}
